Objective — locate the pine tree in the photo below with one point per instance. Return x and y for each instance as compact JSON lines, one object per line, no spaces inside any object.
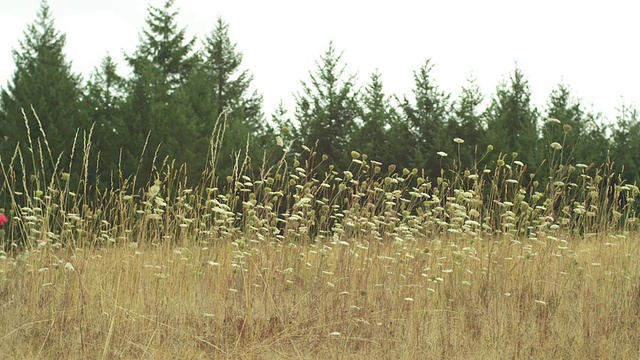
{"x":625,"y":143}
{"x":43,"y":81}
{"x":377,"y":114}
{"x":104,"y":100}
{"x":221,"y":91}
{"x":327,"y":109}
{"x":426,"y":118}
{"x":575,"y":129}
{"x":285,"y":128}
{"x":512,"y":121}
{"x":157,"y":105}
{"x":467,"y":123}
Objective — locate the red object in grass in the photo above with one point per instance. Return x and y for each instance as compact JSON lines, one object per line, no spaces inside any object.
{"x":3,"y":219}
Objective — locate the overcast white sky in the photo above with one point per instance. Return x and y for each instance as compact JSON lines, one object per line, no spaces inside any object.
{"x":590,"y":45}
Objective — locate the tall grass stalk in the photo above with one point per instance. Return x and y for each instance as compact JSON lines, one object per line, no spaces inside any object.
{"x":484,"y":261}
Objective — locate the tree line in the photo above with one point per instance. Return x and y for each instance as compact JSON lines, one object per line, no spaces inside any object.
{"x":181,"y":92}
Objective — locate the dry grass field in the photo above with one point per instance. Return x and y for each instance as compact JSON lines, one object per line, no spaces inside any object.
{"x":430,"y":297}
{"x":304,"y":263}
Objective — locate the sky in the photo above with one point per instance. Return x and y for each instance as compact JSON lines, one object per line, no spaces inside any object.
{"x":589,"y":45}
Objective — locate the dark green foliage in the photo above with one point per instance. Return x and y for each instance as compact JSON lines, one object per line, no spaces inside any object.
{"x":104,"y":100}
{"x":371,"y":136}
{"x":157,"y":105}
{"x":178,"y":98}
{"x":581,"y":139}
{"x":625,"y":149}
{"x":221,"y":91}
{"x":284,"y":130}
{"x":467,"y":124}
{"x":43,"y":81}
{"x":426,"y":118}
{"x":327,"y":109}
{"x":512,"y":121}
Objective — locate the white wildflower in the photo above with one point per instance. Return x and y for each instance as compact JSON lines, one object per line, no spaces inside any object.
{"x":555,"y":146}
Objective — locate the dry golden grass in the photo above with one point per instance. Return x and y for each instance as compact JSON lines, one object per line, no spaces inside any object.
{"x":427,"y":298}
{"x":297,"y":262}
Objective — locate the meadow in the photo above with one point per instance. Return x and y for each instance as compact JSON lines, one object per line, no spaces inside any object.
{"x":301,"y":261}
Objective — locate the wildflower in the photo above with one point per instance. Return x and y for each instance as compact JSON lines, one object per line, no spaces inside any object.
{"x":554,"y":120}
{"x":442,"y":153}
{"x":3,"y":219}
{"x":458,"y":140}
{"x":555,"y":146}
{"x":279,"y":141}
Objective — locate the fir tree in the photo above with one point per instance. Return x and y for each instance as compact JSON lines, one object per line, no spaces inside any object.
{"x":371,"y":137}
{"x":625,"y":142}
{"x":575,"y":129}
{"x":157,"y":105}
{"x":512,"y":121}
{"x":221,"y":91}
{"x":467,"y":123}
{"x":327,"y":109}
{"x":426,"y":117}
{"x":104,"y":101}
{"x":42,"y":81}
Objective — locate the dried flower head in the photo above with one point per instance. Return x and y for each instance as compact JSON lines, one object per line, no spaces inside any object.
{"x":555,"y":146}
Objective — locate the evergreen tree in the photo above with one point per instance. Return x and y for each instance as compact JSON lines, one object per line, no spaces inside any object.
{"x":221,"y":91}
{"x":157,"y":104}
{"x":426,"y":118}
{"x":285,"y":128}
{"x":327,"y":109}
{"x":575,"y":129}
{"x":377,"y":114}
{"x":42,"y":80}
{"x":625,"y":144}
{"x":401,"y":143}
{"x":467,"y":123}
{"x":512,"y":120}
{"x":104,"y":101}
